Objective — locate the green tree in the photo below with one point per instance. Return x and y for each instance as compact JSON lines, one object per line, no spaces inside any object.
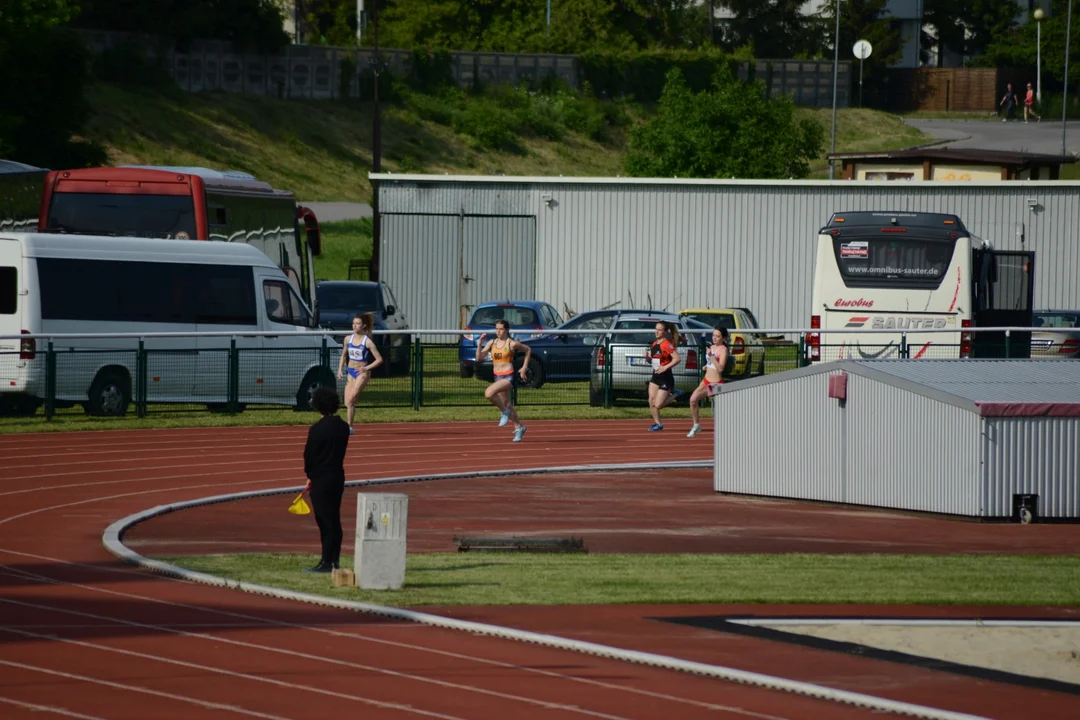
{"x":965,"y":27}
{"x":732,"y":130}
{"x":773,"y":28}
{"x":1016,"y":48}
{"x":44,"y":68}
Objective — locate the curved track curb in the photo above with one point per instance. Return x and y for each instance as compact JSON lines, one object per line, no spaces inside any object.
{"x":112,"y":539}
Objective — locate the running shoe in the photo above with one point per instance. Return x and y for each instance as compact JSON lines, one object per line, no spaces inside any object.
{"x":505,"y":417}
{"x":693,"y":430}
{"x":351,"y":432}
{"x":518,"y":433}
{"x":655,"y":427}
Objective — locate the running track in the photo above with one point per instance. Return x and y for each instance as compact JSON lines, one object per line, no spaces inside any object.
{"x":83,"y":636}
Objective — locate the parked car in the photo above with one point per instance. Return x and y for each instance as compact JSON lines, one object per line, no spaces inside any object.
{"x":559,"y":356}
{"x":521,"y":314}
{"x":747,"y":348}
{"x":630,"y":369}
{"x":1062,"y":344}
{"x":339,"y":300}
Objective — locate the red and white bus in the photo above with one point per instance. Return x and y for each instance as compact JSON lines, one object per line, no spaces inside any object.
{"x":185,"y":203}
{"x":902,"y":273}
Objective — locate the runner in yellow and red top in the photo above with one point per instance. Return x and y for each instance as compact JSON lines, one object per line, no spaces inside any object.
{"x":502,"y":350}
{"x":664,"y":356}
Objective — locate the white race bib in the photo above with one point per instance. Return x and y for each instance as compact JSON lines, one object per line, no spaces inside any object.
{"x":656,"y":363}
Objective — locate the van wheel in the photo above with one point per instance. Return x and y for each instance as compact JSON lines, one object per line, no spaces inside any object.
{"x":465,"y":371}
{"x":18,"y":405}
{"x":109,"y":394}
{"x":315,"y":379}
{"x":596,"y":398}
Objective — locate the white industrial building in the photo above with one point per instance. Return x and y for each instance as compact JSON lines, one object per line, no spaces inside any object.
{"x":976,"y":438}
{"x":451,"y":242}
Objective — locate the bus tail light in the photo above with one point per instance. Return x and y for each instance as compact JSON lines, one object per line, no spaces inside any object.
{"x":813,"y":340}
{"x":738,"y":346}
{"x":27,"y":347}
{"x":966,"y":339}
{"x":1070,"y":346}
{"x":691,"y":360}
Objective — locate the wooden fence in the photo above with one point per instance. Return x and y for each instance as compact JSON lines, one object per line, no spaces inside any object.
{"x":952,"y":89}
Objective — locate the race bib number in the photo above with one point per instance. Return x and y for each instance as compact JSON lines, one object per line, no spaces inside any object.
{"x":656,"y":363}
{"x":713,"y":389}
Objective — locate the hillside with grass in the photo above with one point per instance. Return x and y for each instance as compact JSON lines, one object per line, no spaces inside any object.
{"x":321,"y":150}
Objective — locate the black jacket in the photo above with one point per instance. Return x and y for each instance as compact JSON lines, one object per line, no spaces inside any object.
{"x":324,"y":453}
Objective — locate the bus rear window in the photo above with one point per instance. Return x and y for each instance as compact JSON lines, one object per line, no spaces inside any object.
{"x":892,"y":262}
{"x":9,"y":291}
{"x":152,"y":216}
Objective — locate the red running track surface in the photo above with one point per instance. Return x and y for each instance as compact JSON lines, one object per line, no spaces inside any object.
{"x":84,"y":636}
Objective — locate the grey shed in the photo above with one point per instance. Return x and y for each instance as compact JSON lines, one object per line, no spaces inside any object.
{"x":978,"y":438}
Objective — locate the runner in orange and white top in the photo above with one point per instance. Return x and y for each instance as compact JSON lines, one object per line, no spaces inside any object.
{"x":716,"y":358}
{"x":1029,"y":104}
{"x":502,"y":350}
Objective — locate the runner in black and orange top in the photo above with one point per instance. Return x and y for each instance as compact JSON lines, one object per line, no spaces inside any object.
{"x":502,"y":350}
{"x":664,"y":356}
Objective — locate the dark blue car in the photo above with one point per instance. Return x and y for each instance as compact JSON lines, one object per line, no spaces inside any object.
{"x":523,"y":316}
{"x":339,"y":300}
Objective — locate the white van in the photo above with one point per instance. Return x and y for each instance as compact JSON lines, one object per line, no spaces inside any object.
{"x":80,"y":284}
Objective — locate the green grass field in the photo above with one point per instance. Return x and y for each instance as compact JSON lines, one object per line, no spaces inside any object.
{"x":321,"y":150}
{"x":548,"y":579}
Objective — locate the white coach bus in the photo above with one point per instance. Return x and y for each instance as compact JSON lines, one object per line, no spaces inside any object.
{"x":64,"y":284}
{"x":906,"y":272}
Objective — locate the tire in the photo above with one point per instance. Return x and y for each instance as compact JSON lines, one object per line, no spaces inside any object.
{"x":465,"y":371}
{"x":19,"y":405}
{"x":109,"y":394}
{"x":315,"y":378}
{"x":534,"y":375}
{"x":596,"y":398}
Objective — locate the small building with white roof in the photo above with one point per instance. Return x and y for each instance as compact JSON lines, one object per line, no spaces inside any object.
{"x":990,"y":439}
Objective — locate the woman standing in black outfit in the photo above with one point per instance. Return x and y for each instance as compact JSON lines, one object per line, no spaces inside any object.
{"x":324,"y":465}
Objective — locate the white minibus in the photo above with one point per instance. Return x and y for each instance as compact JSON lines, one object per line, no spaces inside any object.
{"x":900,"y":274}
{"x":52,"y":284}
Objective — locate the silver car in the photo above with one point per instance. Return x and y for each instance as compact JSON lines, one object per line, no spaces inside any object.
{"x":1060,"y":337}
{"x":630,"y":369}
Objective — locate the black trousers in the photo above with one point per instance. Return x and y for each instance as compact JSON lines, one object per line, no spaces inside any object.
{"x":326,"y":496}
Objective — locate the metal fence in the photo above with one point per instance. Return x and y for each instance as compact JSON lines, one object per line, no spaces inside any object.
{"x":153,"y":374}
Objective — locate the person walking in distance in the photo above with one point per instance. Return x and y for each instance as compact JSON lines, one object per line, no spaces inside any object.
{"x":1029,"y":104}
{"x":1008,"y":101}
{"x":502,"y":350}
{"x":664,"y":356}
{"x":362,"y":357}
{"x":716,"y":358}
{"x":324,"y":465}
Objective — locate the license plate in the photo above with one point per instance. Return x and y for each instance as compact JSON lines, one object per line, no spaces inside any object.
{"x":638,"y":361}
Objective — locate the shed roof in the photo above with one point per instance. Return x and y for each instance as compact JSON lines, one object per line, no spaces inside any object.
{"x":991,"y":388}
{"x":971,"y":155}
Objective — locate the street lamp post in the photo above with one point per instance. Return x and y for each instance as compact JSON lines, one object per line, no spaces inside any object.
{"x":835,"y":65}
{"x":376,"y":154}
{"x":1065,"y":85}
{"x":1038,"y":15}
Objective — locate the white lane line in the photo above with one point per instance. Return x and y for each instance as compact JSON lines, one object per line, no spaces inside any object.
{"x":354,"y":636}
{"x":146,"y":691}
{"x":246,"y":676}
{"x":907,"y":622}
{"x":49,"y":709}
{"x":290,"y":653}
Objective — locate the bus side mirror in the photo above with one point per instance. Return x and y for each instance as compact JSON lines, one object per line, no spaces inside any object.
{"x":311,"y":229}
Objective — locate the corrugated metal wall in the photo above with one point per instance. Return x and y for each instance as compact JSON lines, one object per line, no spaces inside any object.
{"x":420,"y":264}
{"x":747,"y":243}
{"x":904,"y":450}
{"x":886,"y":448}
{"x":1038,"y":456}
{"x":782,"y":439}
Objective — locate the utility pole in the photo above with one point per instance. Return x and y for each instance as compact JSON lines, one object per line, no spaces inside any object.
{"x":376,"y":152}
{"x":712,"y":22}
{"x":835,"y":68}
{"x":1065,"y":85}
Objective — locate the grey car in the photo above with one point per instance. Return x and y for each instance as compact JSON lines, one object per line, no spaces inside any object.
{"x":1057,"y":335}
{"x":630,"y":369}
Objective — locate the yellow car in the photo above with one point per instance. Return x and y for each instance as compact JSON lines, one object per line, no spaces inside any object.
{"x":745,"y":347}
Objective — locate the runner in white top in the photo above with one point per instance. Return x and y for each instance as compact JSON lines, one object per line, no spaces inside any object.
{"x":715,"y":359}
